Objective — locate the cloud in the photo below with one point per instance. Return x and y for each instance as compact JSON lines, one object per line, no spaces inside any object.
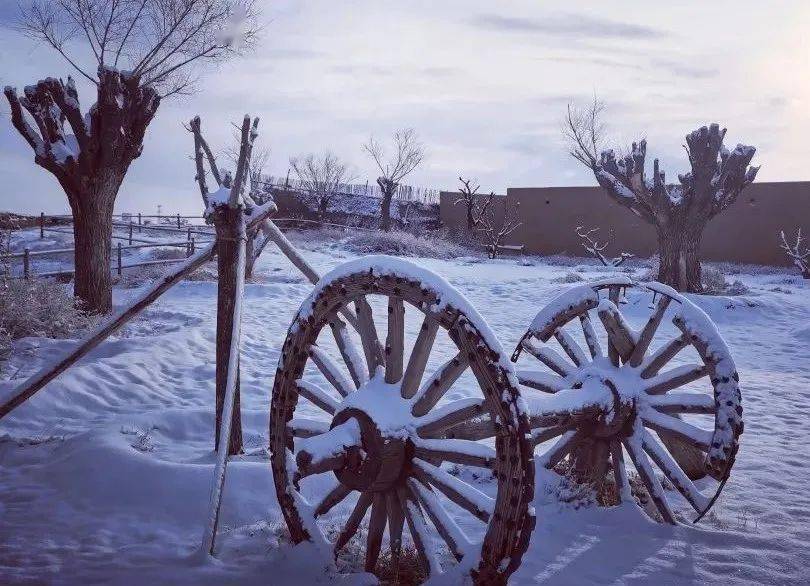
{"x":567,"y":25}
{"x":681,"y":69}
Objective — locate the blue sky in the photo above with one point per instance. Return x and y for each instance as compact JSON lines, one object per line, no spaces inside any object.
{"x":485,"y":85}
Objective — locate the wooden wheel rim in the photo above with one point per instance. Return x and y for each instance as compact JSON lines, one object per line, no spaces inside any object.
{"x":510,"y":522}
{"x":696,"y":331}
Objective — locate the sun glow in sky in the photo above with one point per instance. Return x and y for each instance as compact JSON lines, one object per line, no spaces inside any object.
{"x":484,"y":84}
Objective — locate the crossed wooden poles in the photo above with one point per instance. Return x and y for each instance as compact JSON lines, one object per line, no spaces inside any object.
{"x":236,"y":217}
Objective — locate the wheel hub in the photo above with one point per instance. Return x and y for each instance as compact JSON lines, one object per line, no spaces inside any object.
{"x":386,"y":426}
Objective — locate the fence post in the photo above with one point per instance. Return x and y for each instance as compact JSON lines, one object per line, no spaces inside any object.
{"x":42,"y":224}
{"x":192,"y":247}
{"x":26,"y":264}
{"x":188,"y":235}
{"x":139,"y":222}
{"x":178,"y":220}
{"x":130,"y":232}
{"x":119,"y":258}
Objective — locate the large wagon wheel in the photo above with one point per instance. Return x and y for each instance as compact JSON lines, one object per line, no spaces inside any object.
{"x":384,"y":433}
{"x":595,"y":406}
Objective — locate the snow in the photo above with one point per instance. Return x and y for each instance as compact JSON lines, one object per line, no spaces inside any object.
{"x":105,"y":474}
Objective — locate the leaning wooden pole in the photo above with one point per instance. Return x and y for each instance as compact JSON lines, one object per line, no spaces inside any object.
{"x":230,"y":409}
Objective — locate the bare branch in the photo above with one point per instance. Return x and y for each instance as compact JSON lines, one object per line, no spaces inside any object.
{"x":320,"y":176}
{"x":494,"y":233}
{"x":593,"y":247}
{"x":799,"y":254}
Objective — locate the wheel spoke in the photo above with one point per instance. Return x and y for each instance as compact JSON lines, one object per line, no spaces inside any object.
{"x":348,"y":351}
{"x":437,"y":385}
{"x":419,"y":532}
{"x":674,"y":474}
{"x":395,"y":340}
{"x":354,"y":520}
{"x":449,"y":530}
{"x":656,"y":361}
{"x":449,"y":415}
{"x":560,"y":448}
{"x":473,"y":430}
{"x":594,"y":347}
{"x":677,"y":377}
{"x":368,"y":336}
{"x":567,"y":342}
{"x":550,"y":358}
{"x":376,"y":527}
{"x":456,"y":451}
{"x":541,"y":381}
{"x":675,"y":403}
{"x":330,"y":370}
{"x":694,"y":436}
{"x":317,"y":396}
{"x":465,"y":496}
{"x":649,"y":330}
{"x":620,"y":472}
{"x":419,"y":357}
{"x":335,"y":497}
{"x":303,"y":427}
{"x":620,"y":336}
{"x":396,"y":520}
{"x":648,"y":477}
{"x":543,"y":434}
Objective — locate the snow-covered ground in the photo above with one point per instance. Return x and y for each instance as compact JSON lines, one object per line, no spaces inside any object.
{"x":105,"y":474}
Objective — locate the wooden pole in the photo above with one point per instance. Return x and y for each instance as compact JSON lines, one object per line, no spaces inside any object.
{"x":178,"y":220}
{"x":27,"y":264}
{"x":42,"y":224}
{"x":229,"y":307}
{"x":130,"y":232}
{"x":139,"y":222}
{"x":230,"y":227}
{"x":119,"y":258}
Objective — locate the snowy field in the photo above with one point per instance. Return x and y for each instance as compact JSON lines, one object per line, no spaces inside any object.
{"x":105,"y":474}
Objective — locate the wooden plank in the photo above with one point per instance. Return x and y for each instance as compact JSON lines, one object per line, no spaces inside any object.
{"x":395,"y":340}
{"x":419,"y":357}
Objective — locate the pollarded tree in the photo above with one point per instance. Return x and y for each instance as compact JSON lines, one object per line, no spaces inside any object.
{"x":474,"y":204}
{"x":320,"y":176}
{"x":408,"y":156}
{"x":679,"y":212}
{"x":142,"y":51}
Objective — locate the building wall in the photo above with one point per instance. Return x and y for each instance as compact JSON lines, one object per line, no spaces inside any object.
{"x":746,"y":232}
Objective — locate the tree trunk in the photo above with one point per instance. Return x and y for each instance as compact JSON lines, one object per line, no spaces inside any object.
{"x":227,"y":222}
{"x":385,"y":211}
{"x":92,"y":237}
{"x":470,"y":220}
{"x":679,"y":253}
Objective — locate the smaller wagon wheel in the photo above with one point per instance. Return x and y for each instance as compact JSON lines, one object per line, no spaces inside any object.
{"x":594,"y":405}
{"x":375,"y":437}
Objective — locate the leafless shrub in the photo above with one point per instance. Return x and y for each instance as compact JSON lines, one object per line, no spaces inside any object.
{"x":494,"y":232}
{"x":41,"y":308}
{"x":595,"y":248}
{"x":168,"y":253}
{"x":715,"y":283}
{"x":569,"y":277}
{"x":799,"y":254}
{"x":403,"y":244}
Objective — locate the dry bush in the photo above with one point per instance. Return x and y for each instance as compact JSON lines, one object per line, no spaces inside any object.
{"x":41,"y":308}
{"x":569,"y":277}
{"x":404,"y":244}
{"x":168,"y":253}
{"x":715,"y":283}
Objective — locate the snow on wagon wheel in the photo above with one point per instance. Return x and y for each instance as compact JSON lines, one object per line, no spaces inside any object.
{"x":666,"y":395}
{"x":446,"y":455}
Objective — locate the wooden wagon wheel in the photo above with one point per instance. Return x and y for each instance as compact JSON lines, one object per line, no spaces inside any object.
{"x":386,"y":430}
{"x":595,"y":405}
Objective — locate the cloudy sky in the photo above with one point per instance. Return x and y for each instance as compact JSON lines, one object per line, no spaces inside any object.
{"x":485,"y":84}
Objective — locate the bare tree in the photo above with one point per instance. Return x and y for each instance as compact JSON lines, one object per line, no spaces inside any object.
{"x":409,"y":153}
{"x":493,"y":232}
{"x":595,"y":248}
{"x":799,"y":254}
{"x":678,"y":212}
{"x":139,"y":51}
{"x":320,"y":177}
{"x":474,"y":204}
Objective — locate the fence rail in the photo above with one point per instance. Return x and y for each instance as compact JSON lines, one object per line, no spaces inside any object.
{"x":426,"y":195}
